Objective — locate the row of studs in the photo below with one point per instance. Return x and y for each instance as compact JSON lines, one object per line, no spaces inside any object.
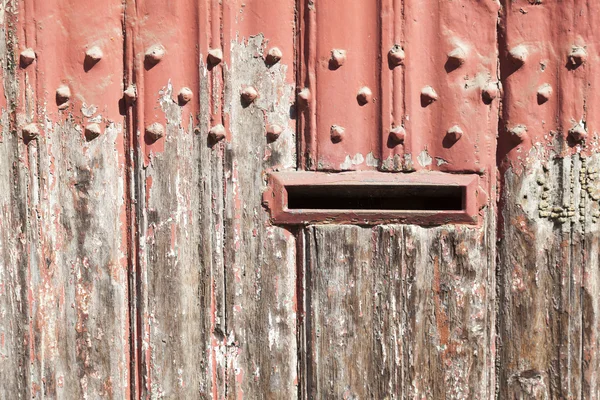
{"x":152,"y":57}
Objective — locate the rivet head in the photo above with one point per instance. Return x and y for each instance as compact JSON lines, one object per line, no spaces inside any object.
{"x":397,"y":135}
{"x":578,"y":133}
{"x":130,"y":93}
{"x":27,"y":57}
{"x":396,"y":56}
{"x":216,"y":133}
{"x":364,"y":96}
{"x":428,"y":95}
{"x":92,"y":131}
{"x":273,"y":132}
{"x":154,"y":55}
{"x":577,"y":56}
{"x":454,"y":134}
{"x":338,"y":58}
{"x":215,"y":56}
{"x":274,"y":55}
{"x":489,"y":92}
{"x":304,"y":96}
{"x":518,"y":133}
{"x":63,"y":94}
{"x":456,"y":57}
{"x":154,"y":132}
{"x":185,"y":96}
{"x":544,"y":93}
{"x":93,"y":55}
{"x":337,"y":133}
{"x":30,"y":132}
{"x":249,"y":94}
{"x":518,"y":55}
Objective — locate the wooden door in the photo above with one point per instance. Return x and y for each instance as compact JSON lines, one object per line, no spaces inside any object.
{"x":147,"y":249}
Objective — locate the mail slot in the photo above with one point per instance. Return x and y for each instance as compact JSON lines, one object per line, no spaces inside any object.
{"x":365,"y":198}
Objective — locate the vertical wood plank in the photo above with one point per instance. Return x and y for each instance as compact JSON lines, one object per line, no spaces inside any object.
{"x":259,"y":258}
{"x":73,"y":224}
{"x":400,"y":311}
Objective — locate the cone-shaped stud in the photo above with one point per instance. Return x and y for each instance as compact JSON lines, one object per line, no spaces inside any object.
{"x":544,"y":93}
{"x":154,"y":55}
{"x":428,"y":95}
{"x":273,"y":56}
{"x":577,"y":56}
{"x":154,"y":132}
{"x":397,"y":135}
{"x":215,"y":56}
{"x":27,"y":57}
{"x":273,"y":132}
{"x":337,"y":133}
{"x":489,"y":92}
{"x":185,"y":96}
{"x":518,"y":55}
{"x":304,"y":96}
{"x":338,"y":58}
{"x":30,"y":132}
{"x":364,"y":96}
{"x":518,"y":133}
{"x":454,"y":134}
{"x":130,"y":94}
{"x":396,"y":56}
{"x":216,"y":133}
{"x":93,"y":55}
{"x":578,"y":133}
{"x":249,"y":94}
{"x":456,"y":58}
{"x":63,"y":94}
{"x":92,"y":131}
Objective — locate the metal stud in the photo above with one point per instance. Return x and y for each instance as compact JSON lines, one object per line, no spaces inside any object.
{"x":578,"y":133}
{"x":489,"y":92}
{"x":215,"y":56}
{"x":63,"y":95}
{"x":544,"y":93}
{"x":456,"y":58}
{"x":397,"y":135}
{"x":518,"y":55}
{"x":396,"y":56}
{"x":30,"y":132}
{"x":130,"y":94}
{"x":185,"y":96}
{"x":273,"y":132}
{"x":274,"y":55}
{"x":338,"y":58}
{"x":518,"y":133}
{"x":92,"y":131}
{"x":27,"y":57}
{"x":577,"y":56}
{"x":249,"y":94}
{"x":304,"y":96}
{"x":154,"y":132}
{"x":454,"y":134}
{"x":154,"y":55}
{"x":428,"y":95}
{"x":364,"y":96}
{"x":93,"y":55}
{"x":216,"y":133}
{"x":337,"y":133}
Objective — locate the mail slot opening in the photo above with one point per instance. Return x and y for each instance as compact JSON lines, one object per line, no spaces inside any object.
{"x":376,"y":197}
{"x":372,"y":197}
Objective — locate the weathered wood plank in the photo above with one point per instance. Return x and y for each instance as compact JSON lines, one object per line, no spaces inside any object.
{"x":400,"y":312}
{"x":260,"y":260}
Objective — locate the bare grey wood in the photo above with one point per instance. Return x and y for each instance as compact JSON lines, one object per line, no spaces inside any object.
{"x":260,"y":260}
{"x":399,"y":312}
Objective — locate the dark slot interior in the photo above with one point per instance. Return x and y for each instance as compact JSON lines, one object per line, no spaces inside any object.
{"x":375,"y":197}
